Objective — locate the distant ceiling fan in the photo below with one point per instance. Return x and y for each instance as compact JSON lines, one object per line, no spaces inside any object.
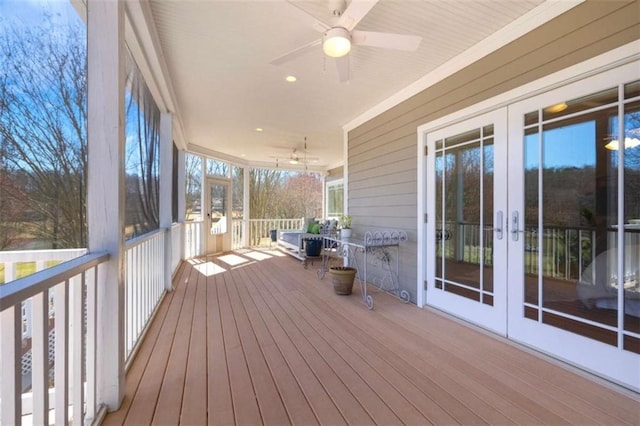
{"x":296,"y":157}
{"x":337,"y":39}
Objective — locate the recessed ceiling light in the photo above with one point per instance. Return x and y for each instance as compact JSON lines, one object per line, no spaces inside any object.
{"x":290,"y":78}
{"x":243,"y":155}
{"x":259,"y":129}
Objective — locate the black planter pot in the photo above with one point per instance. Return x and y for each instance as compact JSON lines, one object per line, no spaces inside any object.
{"x":313,"y":247}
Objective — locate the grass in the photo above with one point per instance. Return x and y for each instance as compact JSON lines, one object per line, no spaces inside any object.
{"x":24,"y":268}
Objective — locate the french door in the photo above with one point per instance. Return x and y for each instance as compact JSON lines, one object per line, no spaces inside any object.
{"x":534,"y":232}
{"x":466,"y":236}
{"x":574,"y":224}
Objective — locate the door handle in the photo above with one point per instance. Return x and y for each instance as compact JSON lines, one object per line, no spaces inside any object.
{"x":515,"y":223}
{"x":498,"y":227}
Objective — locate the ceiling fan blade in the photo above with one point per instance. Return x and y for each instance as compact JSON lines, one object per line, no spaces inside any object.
{"x":343,"y":68}
{"x":307,"y":19}
{"x":296,"y":52}
{"x":357,"y":10}
{"x":386,"y":40}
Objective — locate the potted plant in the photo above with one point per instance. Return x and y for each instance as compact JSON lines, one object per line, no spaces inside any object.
{"x":345,"y":226}
{"x":342,"y":278}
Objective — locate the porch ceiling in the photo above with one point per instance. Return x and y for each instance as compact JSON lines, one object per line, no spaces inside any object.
{"x":217,"y":56}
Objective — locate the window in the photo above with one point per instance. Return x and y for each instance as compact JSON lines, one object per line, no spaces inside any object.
{"x":193,"y":190}
{"x":217,"y":168}
{"x":43,"y":132}
{"x":335,"y":199}
{"x":142,"y":162}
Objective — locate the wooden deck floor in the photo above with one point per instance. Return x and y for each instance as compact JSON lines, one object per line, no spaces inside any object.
{"x":253,"y":338}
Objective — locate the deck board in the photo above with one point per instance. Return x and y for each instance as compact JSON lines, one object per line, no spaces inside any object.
{"x":264,"y":341}
{"x":219,"y":401}
{"x":173,"y":382}
{"x":245,"y":401}
{"x":194,"y":407}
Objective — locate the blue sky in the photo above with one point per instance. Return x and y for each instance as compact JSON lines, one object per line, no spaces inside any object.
{"x":570,"y":146}
{"x":32,"y":12}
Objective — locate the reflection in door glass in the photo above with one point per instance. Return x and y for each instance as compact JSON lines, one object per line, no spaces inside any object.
{"x":440,"y":237}
{"x":464,"y":215}
{"x":218,"y":209}
{"x":573,"y":278}
{"x":531,"y":243}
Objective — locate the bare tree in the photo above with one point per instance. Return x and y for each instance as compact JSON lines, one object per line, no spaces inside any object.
{"x":263,"y":190}
{"x":43,"y":93}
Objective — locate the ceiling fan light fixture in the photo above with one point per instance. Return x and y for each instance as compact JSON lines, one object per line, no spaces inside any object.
{"x":337,"y":42}
{"x":293,"y":161}
{"x":614,"y":145}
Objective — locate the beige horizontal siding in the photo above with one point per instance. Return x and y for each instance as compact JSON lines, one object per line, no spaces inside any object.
{"x":382,"y":153}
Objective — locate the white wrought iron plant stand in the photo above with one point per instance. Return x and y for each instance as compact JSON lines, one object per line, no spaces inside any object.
{"x":378,"y":245}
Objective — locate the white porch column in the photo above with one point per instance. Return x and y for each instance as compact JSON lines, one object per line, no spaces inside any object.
{"x":205,"y":209}
{"x":166,"y":199}
{"x":246,"y":208}
{"x":324,"y":196}
{"x":105,"y":188}
{"x":182,"y":198}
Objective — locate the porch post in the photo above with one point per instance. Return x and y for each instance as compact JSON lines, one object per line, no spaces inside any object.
{"x":105,"y":188}
{"x":166,"y":199}
{"x":324,"y":196}
{"x":205,"y":229}
{"x":246,"y":208}
{"x":182,"y":198}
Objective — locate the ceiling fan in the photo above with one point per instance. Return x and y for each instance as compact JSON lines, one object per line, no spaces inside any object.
{"x":338,"y":38}
{"x":295,"y":157}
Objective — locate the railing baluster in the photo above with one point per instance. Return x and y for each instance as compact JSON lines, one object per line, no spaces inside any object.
{"x":61,"y":368}
{"x":11,"y":383}
{"x":78,"y":351}
{"x":91,"y":343}
{"x":40,"y":358}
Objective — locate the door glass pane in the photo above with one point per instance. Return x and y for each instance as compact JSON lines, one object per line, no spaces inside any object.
{"x":631,"y":279}
{"x":464,"y":214}
{"x":218,"y":208}
{"x":571,"y":218}
{"x":441,"y":236}
{"x":579,"y":241}
{"x":487,"y":218}
{"x":578,"y":204}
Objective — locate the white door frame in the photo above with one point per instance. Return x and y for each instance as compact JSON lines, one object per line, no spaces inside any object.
{"x":217,"y":243}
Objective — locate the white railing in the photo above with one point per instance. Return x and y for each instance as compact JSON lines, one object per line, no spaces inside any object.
{"x":237,"y":231}
{"x":259,"y":233}
{"x":61,"y":381}
{"x":193,"y":239}
{"x":145,"y":284}
{"x":260,"y":230}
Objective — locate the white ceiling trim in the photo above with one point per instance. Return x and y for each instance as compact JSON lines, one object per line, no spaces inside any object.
{"x":521,"y":26}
